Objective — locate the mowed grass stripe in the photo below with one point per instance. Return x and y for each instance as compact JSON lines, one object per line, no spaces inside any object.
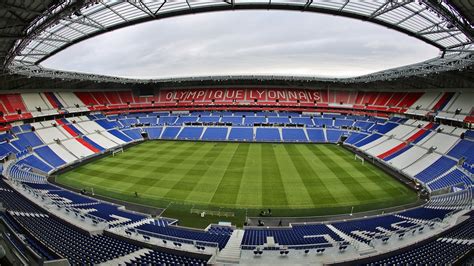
{"x":109,"y":171}
{"x":297,"y":193}
{"x":331,"y":180}
{"x":157,"y":176}
{"x":143,"y":153}
{"x":378,"y":177}
{"x":195,"y":172}
{"x":358,"y":190}
{"x":317,"y":190}
{"x":273,"y":191}
{"x":250,"y":191}
{"x":119,"y":168}
{"x":229,"y":186}
{"x":204,"y":191}
{"x":238,"y":175}
{"x":168,"y":170}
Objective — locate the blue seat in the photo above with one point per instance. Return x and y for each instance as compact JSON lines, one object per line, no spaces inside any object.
{"x":453,"y":178}
{"x":6,"y":136}
{"x":170,"y":132}
{"x":153,"y":121}
{"x":241,"y":134}
{"x":465,"y":148}
{"x":302,"y":121}
{"x":234,"y":120}
{"x":6,"y":149}
{"x":106,"y":124}
{"x":395,"y":154}
{"x":49,"y":156}
{"x":133,"y":133}
{"x":278,"y":120}
{"x":209,"y":119}
{"x":104,"y":211}
{"x":290,"y":236}
{"x":120,"y":135}
{"x":251,"y":120}
{"x":293,"y":134}
{"x":316,"y":135}
{"x":363,"y":125}
{"x":203,"y":113}
{"x":215,"y":133}
{"x":190,"y":133}
{"x":425,"y":213}
{"x":437,"y":168}
{"x":372,"y":226}
{"x":186,"y":119}
{"x":441,"y":252}
{"x":72,"y":198}
{"x":34,"y":162}
{"x":384,"y":128}
{"x":367,"y":140}
{"x":267,"y":134}
{"x":31,"y":138}
{"x":355,"y":137}
{"x":219,"y":237}
{"x":320,"y":122}
{"x":75,"y":129}
{"x":167,"y":120}
{"x":154,"y":132}
{"x":343,"y":122}
{"x":333,"y":135}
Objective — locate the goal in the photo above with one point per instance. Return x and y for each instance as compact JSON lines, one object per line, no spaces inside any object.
{"x":114,"y":152}
{"x":357,"y":157}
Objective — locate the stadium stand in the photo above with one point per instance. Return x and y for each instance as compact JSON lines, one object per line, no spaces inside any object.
{"x":408,"y":157}
{"x":160,"y":257}
{"x":215,"y":133}
{"x":437,"y":170}
{"x":294,"y":134}
{"x":154,"y":132}
{"x":241,"y":134}
{"x":433,"y":165}
{"x":267,"y":134}
{"x":204,"y":238}
{"x":190,"y":133}
{"x":447,"y":103}
{"x":49,"y":156}
{"x":448,"y":247}
{"x":413,"y":122}
{"x":170,"y":132}
{"x":406,"y":145}
{"x":316,"y":135}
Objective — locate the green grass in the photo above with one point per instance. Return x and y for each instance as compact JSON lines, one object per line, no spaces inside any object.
{"x":291,"y":179}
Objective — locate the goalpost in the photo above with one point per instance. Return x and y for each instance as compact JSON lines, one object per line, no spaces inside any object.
{"x":357,"y":157}
{"x":120,"y":150}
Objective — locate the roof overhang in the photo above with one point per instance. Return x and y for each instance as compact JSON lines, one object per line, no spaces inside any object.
{"x":434,"y":22}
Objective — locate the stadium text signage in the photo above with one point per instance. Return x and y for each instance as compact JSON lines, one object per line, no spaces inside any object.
{"x":261,"y":95}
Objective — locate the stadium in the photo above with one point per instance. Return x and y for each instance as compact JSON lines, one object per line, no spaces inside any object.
{"x":370,"y":169}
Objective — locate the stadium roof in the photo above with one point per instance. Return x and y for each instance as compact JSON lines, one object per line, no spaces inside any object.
{"x":15,"y":18}
{"x":32,"y":31}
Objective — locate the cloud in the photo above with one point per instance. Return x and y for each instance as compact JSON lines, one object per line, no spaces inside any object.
{"x":244,"y":42}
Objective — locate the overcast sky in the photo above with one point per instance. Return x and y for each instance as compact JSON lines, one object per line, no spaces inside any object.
{"x":244,"y":42}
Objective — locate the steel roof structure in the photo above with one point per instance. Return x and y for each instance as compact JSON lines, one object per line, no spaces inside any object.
{"x":64,"y":23}
{"x":15,"y":18}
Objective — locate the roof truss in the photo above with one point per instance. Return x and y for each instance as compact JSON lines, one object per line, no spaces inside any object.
{"x":432,"y":21}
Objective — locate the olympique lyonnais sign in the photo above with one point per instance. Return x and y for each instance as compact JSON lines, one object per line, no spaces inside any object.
{"x":206,"y":95}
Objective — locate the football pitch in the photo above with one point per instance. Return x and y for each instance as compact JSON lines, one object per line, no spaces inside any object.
{"x":292,"y":179}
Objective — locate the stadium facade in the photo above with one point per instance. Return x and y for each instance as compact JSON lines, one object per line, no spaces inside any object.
{"x":414,"y":122}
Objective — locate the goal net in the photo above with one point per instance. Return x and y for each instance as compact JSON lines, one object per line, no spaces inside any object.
{"x":357,"y":157}
{"x":114,"y":152}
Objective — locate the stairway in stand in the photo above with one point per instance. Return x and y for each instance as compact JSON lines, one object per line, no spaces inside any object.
{"x":231,"y":252}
